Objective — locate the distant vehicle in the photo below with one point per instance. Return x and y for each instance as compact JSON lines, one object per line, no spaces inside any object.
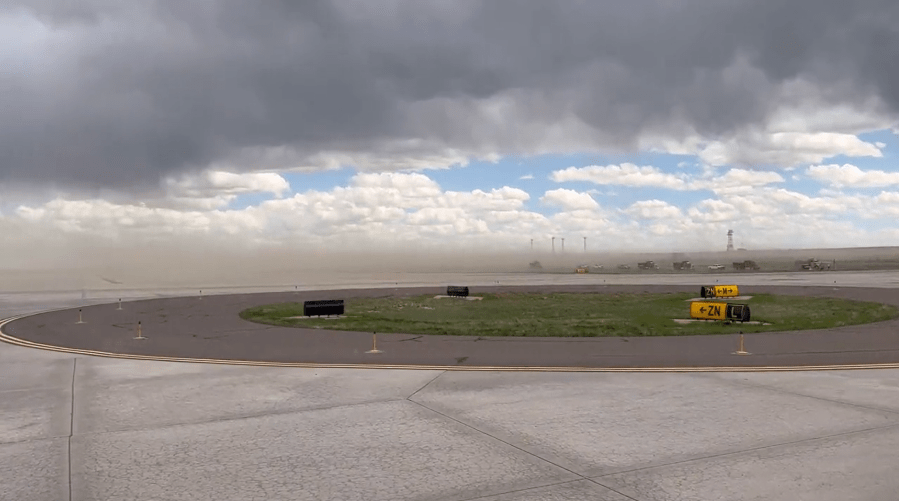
{"x":535,"y":265}
{"x":747,"y":265}
{"x":597,"y":266}
{"x":623,"y":267}
{"x":683,"y":265}
{"x":648,"y":265}
{"x":813,"y":265}
{"x":715,"y":267}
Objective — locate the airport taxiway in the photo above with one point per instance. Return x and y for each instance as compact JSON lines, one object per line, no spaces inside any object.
{"x":85,"y":428}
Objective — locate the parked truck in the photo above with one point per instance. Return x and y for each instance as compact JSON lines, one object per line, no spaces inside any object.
{"x":747,"y":265}
{"x":683,"y":265}
{"x":812,"y":265}
{"x":648,"y":265}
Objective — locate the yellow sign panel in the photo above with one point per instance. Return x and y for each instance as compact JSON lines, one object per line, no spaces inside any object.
{"x":726,"y":291}
{"x":707,"y":311}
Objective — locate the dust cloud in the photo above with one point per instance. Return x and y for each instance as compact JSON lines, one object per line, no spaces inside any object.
{"x":81,"y":265}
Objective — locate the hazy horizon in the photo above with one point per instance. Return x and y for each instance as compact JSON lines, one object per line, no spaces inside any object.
{"x":205,"y":136}
{"x":285,"y":268}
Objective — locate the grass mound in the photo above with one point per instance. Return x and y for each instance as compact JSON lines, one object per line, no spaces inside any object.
{"x":570,"y":315}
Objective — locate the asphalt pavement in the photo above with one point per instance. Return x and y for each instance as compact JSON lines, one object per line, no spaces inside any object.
{"x":209,"y":327}
{"x":92,"y":428}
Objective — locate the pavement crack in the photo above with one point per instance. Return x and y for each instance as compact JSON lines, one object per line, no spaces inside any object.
{"x":254,"y":415}
{"x":595,"y":479}
{"x":764,"y":386}
{"x":526,"y":452}
{"x":36,"y":388}
{"x":425,"y":385}
{"x":616,"y":491}
{"x":802,"y":441}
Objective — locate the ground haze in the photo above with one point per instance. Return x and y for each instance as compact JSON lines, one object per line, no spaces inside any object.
{"x":223,"y":267}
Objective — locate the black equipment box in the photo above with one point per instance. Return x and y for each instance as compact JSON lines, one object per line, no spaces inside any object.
{"x":326,"y":307}
{"x":458,"y":291}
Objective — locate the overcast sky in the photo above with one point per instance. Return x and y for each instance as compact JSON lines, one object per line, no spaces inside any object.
{"x":656,"y":124}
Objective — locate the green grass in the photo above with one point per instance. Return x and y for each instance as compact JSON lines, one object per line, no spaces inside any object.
{"x":570,"y":315}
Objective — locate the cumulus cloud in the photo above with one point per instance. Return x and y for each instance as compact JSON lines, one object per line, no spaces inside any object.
{"x":215,"y":189}
{"x":767,"y":209}
{"x":411,"y":185}
{"x":634,"y":176}
{"x":119,"y":221}
{"x":885,"y":204}
{"x":785,"y":148}
{"x":743,"y":177}
{"x":735,"y":180}
{"x":626,"y":174}
{"x":653,"y":209}
{"x":497,"y":199}
{"x":807,"y":114}
{"x":382,"y":209}
{"x":123,"y":94}
{"x":713,"y":211}
{"x":802,"y":129}
{"x":227,"y":183}
{"x":378,"y":212}
{"x":569,"y":199}
{"x":848,"y":175}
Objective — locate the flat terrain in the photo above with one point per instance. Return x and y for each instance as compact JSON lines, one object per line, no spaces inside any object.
{"x":86,"y":428}
{"x":209,"y":327}
{"x":571,"y":315}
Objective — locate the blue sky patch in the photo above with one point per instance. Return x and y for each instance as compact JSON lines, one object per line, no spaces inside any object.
{"x":508,"y":171}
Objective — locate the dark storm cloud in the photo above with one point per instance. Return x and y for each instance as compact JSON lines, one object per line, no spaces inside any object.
{"x":119,"y":92}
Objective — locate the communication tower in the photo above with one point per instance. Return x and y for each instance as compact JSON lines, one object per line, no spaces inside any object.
{"x":730,"y":240}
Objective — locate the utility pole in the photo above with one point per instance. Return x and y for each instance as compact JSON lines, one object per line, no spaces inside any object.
{"x":563,"y":244}
{"x":554,"y":245}
{"x":585,"y":244}
{"x":532,"y":245}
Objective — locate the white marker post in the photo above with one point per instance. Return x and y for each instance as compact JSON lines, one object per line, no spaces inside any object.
{"x":140,"y":334}
{"x":80,"y":321}
{"x":120,"y":304}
